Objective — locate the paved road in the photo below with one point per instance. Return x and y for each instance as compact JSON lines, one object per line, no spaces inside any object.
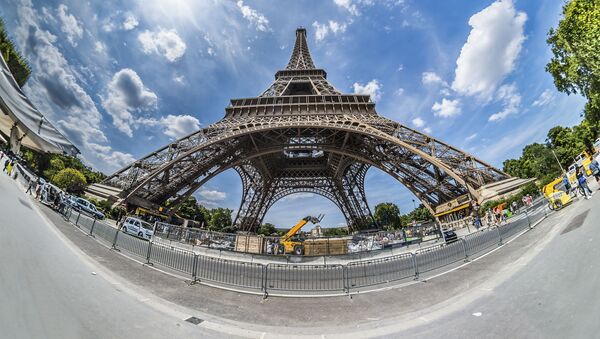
{"x":542,"y":285}
{"x":48,"y":290}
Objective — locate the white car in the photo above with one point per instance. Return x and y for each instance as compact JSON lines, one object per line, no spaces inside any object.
{"x":138,"y":227}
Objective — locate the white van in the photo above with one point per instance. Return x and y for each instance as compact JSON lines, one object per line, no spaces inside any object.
{"x":48,"y":193}
{"x":138,"y":227}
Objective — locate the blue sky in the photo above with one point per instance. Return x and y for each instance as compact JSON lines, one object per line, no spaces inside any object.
{"x":122,"y":79}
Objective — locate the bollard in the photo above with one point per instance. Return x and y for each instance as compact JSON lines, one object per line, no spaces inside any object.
{"x":77,"y":221}
{"x":92,"y":228}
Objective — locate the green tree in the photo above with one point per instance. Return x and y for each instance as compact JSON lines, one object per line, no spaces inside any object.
{"x":220,"y":219}
{"x":267,"y":229}
{"x":70,"y":180}
{"x":387,"y":214}
{"x":335,"y":231}
{"x":575,"y":46}
{"x":16,"y":63}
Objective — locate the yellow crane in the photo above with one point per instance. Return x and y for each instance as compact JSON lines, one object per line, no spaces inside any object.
{"x":287,"y":244}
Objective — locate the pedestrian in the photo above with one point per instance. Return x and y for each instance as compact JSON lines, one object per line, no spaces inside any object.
{"x":583,"y":183}
{"x":31,"y":183}
{"x":595,"y":168}
{"x":567,"y":183}
{"x":38,"y":191}
{"x":6,"y":162}
{"x":9,"y":168}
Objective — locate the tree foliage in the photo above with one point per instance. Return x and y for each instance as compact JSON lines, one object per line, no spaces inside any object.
{"x":537,"y":160}
{"x":47,"y":165}
{"x":575,"y":45}
{"x":70,"y":180}
{"x":16,"y":63}
{"x":267,"y":229}
{"x":387,"y":215}
{"x":220,"y":219}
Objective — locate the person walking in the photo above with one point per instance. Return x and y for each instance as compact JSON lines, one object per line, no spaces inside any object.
{"x":583,"y":183}
{"x":31,"y":183}
{"x":9,"y":168}
{"x":595,"y":168}
{"x":6,"y":162}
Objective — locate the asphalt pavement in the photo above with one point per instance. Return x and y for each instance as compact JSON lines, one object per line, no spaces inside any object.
{"x":55,"y":282}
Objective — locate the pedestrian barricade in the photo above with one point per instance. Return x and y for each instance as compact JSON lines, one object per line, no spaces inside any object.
{"x":480,"y":241}
{"x":230,"y":272}
{"x":289,"y":277}
{"x":132,"y":244}
{"x":380,"y":271}
{"x":171,"y":257}
{"x":105,"y":232}
{"x":438,"y":256}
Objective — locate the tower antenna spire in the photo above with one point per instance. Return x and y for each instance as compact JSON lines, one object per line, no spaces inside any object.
{"x":300,"y":58}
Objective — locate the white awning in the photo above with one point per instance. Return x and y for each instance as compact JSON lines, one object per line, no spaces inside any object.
{"x":35,"y":130}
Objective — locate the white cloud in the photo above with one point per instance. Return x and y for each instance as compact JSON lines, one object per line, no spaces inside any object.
{"x":212,"y":195}
{"x":99,"y":47}
{"x":471,"y":137}
{"x":372,"y":88}
{"x":180,"y":79}
{"x":163,"y":42}
{"x":69,"y":25}
{"x":322,"y":30}
{"x":491,"y":49}
{"x":259,"y":21}
{"x":418,"y":122}
{"x":348,"y":5}
{"x":399,"y":91}
{"x":511,"y":100}
{"x":54,"y":88}
{"x":178,"y":126}
{"x":124,"y":95}
{"x":117,"y":159}
{"x":431,"y":78}
{"x":545,"y":98}
{"x":447,"y":108}
{"x":130,"y":22}
{"x":427,"y":130}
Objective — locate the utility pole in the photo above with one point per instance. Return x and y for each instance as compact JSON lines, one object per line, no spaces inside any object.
{"x":555,"y":157}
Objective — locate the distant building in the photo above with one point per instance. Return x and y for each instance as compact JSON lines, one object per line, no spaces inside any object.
{"x":316,"y":231}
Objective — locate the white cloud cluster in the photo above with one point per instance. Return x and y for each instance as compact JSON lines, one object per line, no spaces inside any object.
{"x":511,"y":101}
{"x":130,"y":22}
{"x":54,"y":87}
{"x":431,"y":78}
{"x":163,"y":42}
{"x":124,"y":95}
{"x":297,"y":196}
{"x":545,"y":98}
{"x":347,"y":5}
{"x":322,"y":30}
{"x":69,"y":25}
{"x":447,"y":108}
{"x":418,"y":122}
{"x":259,"y":21}
{"x":372,"y":88}
{"x":491,"y":49}
{"x":175,"y":126}
{"x":212,"y":195}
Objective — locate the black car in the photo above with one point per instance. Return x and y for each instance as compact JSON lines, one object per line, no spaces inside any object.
{"x":450,"y":236}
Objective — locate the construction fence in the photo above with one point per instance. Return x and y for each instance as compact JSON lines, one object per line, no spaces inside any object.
{"x":303,"y":279}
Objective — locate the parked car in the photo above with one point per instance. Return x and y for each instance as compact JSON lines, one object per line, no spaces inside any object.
{"x":450,"y":236}
{"x":48,"y":193}
{"x":135,"y":226}
{"x":87,"y":207}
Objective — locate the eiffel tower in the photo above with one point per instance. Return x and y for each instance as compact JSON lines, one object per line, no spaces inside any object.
{"x":303,"y":135}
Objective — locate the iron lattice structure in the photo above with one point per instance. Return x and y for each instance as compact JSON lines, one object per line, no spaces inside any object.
{"x":303,"y":135}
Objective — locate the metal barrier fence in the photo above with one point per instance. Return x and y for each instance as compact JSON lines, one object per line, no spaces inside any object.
{"x":301,"y":278}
